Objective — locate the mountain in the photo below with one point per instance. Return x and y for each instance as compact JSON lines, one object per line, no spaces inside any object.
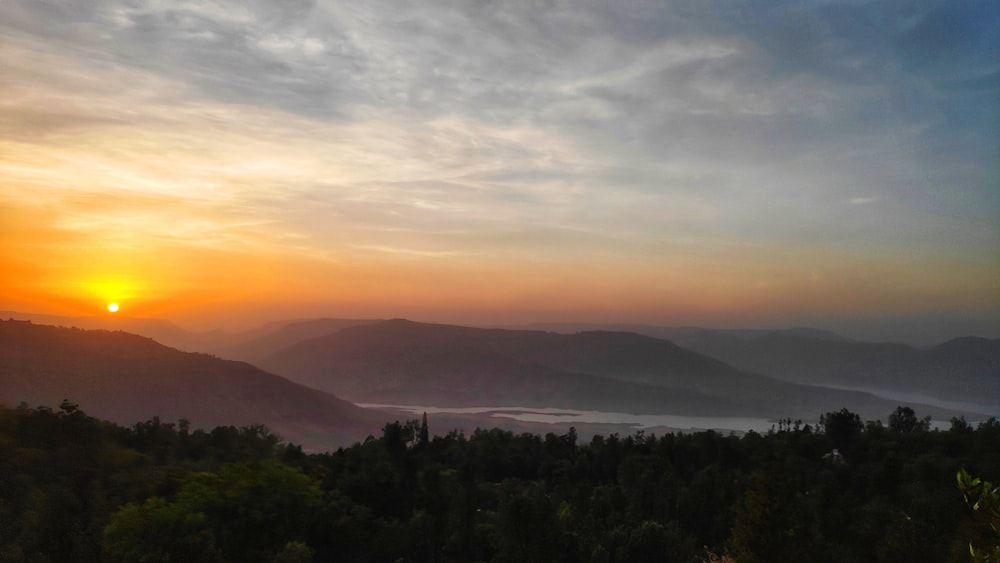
{"x":266,"y":342}
{"x":961,"y":373}
{"x":961,"y":370}
{"x":160,"y":330}
{"x":247,"y":345}
{"x":128,"y":378}
{"x":400,"y":361}
{"x":676,"y":333}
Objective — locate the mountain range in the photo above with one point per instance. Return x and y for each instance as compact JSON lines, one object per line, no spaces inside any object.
{"x":400,"y":361}
{"x":270,"y":339}
{"x":961,"y":372}
{"x":792,"y":373}
{"x":128,"y":378}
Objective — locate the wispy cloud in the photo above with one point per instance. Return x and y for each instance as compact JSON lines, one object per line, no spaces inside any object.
{"x":573,"y":131}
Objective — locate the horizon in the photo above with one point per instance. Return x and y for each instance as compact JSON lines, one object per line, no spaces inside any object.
{"x":893,"y":330}
{"x":218,"y":165}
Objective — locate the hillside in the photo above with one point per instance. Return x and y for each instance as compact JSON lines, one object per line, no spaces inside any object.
{"x":964,"y":369}
{"x":677,"y":333}
{"x":128,"y":378}
{"x":160,"y":330}
{"x":260,"y":346}
{"x":416,"y":363}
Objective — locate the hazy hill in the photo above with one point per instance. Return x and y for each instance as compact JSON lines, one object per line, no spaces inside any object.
{"x":161,"y":330}
{"x":266,"y":342}
{"x":246,"y":345}
{"x":964,"y":369}
{"x":128,"y":378}
{"x":416,"y":363}
{"x":412,"y":363}
{"x":676,"y":333}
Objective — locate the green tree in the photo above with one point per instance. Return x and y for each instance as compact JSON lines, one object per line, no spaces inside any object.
{"x":160,"y":531}
{"x":984,"y":498}
{"x":245,"y":512}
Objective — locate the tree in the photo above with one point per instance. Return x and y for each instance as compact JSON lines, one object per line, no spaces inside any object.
{"x":424,"y":432}
{"x":984,"y":498}
{"x":68,"y":407}
{"x":904,"y":420}
{"x":294,"y":552}
{"x":394,"y":438}
{"x":242,"y":513}
{"x":157,"y":531}
{"x":841,"y":427}
{"x":773,"y":520}
{"x":960,"y":425}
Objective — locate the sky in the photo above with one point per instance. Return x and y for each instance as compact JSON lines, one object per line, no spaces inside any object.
{"x":714,"y":163}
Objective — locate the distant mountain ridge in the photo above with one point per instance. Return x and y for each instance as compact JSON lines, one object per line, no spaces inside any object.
{"x":419,"y":363}
{"x":675,"y":333}
{"x":128,"y":378}
{"x":961,"y":373}
{"x":245,"y":345}
{"x":964,"y":369}
{"x":161,"y":330}
{"x":287,"y":334}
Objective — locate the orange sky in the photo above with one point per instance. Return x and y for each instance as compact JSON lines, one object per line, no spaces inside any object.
{"x":158,"y":168}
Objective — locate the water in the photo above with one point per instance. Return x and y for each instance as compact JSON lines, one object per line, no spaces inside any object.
{"x":550,"y":415}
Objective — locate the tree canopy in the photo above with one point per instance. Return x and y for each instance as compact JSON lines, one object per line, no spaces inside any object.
{"x":78,"y":489}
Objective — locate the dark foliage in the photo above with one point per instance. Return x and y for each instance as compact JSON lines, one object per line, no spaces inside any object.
{"x":74,"y":488}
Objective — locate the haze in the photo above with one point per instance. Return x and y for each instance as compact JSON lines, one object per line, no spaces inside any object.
{"x":729,"y":164}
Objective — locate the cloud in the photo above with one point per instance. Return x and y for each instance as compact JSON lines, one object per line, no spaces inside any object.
{"x":460,"y":129}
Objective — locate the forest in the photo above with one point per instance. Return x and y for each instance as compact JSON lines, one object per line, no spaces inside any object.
{"x":75,"y":488}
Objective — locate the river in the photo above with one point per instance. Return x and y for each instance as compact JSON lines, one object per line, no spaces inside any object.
{"x":571,"y":416}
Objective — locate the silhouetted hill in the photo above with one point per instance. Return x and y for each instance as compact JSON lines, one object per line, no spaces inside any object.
{"x":676,"y":333}
{"x":128,"y":378}
{"x":964,"y":369}
{"x":283,"y":336}
{"x":416,"y":363}
{"x":160,"y":330}
{"x":411,"y":363}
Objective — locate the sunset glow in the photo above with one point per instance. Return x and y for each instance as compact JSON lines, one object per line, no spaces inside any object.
{"x":112,"y":307}
{"x":221,"y":164}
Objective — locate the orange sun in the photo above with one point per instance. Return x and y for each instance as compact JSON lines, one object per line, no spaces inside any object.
{"x":113,"y":307}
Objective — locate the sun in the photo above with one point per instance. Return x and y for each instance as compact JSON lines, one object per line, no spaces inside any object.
{"x":113,"y":307}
